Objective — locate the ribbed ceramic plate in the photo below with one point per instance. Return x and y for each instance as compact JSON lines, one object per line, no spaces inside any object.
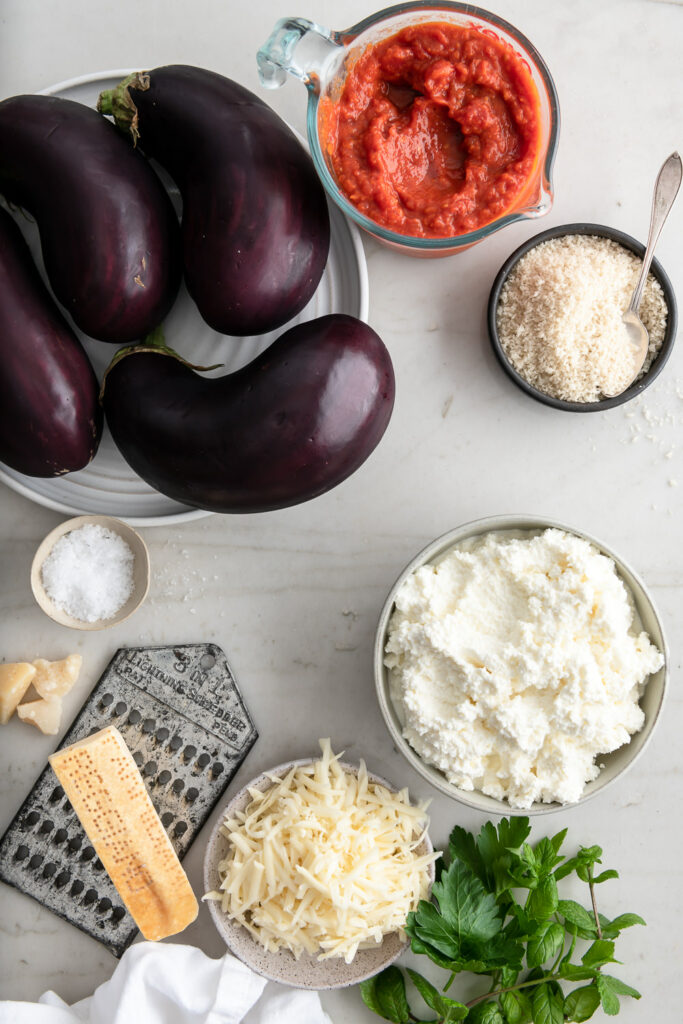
{"x":108,"y":486}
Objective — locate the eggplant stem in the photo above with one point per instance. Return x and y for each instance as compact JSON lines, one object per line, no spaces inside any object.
{"x":154,"y":343}
{"x":119,"y":104}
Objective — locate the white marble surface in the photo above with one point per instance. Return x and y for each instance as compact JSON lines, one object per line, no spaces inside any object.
{"x":293,"y":596}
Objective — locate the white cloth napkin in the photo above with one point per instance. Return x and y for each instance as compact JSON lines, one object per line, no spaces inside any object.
{"x":168,"y":984}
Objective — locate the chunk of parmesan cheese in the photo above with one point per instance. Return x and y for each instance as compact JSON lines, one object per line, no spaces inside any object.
{"x":324,"y":861}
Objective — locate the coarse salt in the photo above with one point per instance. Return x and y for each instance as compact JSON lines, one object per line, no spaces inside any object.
{"x":89,"y":573}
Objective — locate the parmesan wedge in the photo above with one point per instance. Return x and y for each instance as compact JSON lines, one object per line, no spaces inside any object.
{"x":15,"y":679}
{"x":105,"y":788}
{"x":55,"y":678}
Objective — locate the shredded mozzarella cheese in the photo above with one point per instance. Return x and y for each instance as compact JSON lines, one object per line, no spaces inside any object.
{"x":324,"y":861}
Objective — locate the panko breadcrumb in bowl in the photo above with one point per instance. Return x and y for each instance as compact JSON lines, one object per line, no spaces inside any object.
{"x":554,"y":317}
{"x":520,"y":665}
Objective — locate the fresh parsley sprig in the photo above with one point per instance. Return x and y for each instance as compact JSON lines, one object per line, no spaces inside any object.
{"x":477,"y":922}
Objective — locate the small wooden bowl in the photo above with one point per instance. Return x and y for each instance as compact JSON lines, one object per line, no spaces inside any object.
{"x":140,"y":571}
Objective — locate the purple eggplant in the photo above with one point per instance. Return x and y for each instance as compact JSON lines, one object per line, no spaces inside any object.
{"x":255,"y":225}
{"x":109,"y":234}
{"x":50,"y":416}
{"x":295,"y":422}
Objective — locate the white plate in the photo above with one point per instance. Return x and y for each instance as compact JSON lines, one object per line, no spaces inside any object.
{"x":108,"y":486}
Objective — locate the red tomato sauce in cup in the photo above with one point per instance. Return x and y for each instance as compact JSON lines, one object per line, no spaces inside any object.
{"x":436,"y":131}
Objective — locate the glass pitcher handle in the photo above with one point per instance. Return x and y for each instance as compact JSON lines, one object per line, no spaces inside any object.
{"x":277,"y":58}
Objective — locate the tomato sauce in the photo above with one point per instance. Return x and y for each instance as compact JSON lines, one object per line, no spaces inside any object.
{"x":436,"y":131}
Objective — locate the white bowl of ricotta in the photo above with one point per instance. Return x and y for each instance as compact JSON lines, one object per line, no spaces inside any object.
{"x":520,"y":665}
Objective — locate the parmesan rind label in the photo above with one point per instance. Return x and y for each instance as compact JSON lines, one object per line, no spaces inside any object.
{"x":324,"y":861}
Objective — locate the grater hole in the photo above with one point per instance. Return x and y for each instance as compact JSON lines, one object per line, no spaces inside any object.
{"x":77,"y":888}
{"x":203,"y":760}
{"x":60,"y":835}
{"x":176,"y":743}
{"x":62,"y":878}
{"x":49,"y":870}
{"x":88,"y":853}
{"x":216,"y":769}
{"x":94,"y":729}
{"x":121,"y":708}
{"x":166,"y":819}
{"x":138,"y":757}
{"x":67,"y":808}
{"x":32,"y":819}
{"x":149,"y":725}
{"x":22,"y":852}
{"x":75,"y":844}
{"x":104,"y":904}
{"x":116,"y":914}
{"x":36,"y":860}
{"x":57,"y":794}
{"x":150,"y":768}
{"x":192,"y":794}
{"x":208,"y":661}
{"x":46,"y":827}
{"x":189,"y":752}
{"x":90,"y":896}
{"x":162,"y":735}
{"x":134,"y":717}
{"x":98,"y":865}
{"x":164,"y":778}
{"x":107,"y":699}
{"x":180,"y":829}
{"x":178,"y":786}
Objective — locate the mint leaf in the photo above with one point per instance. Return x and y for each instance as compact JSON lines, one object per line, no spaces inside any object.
{"x":621,"y":987}
{"x":545,"y":945}
{"x":542,"y":901}
{"x":467,"y":908}
{"x":485,"y":1013}
{"x":608,"y":998}
{"x":547,"y":1005}
{"x":577,"y":915}
{"x":576,"y":972}
{"x":385,"y":995}
{"x":558,"y":839}
{"x":611,"y":929}
{"x":601,"y":952}
{"x":604,"y":875}
{"x":516,"y":1007}
{"x":582,"y":1003}
{"x":546,"y":857}
{"x":448,"y":1009}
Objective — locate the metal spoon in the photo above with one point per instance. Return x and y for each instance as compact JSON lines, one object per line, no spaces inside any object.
{"x":666,"y":189}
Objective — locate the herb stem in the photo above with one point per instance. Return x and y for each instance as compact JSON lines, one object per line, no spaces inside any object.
{"x":512,"y":988}
{"x":595,"y":906}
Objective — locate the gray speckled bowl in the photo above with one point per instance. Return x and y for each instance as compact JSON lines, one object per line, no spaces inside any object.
{"x":307,"y":971}
{"x":614,"y":764}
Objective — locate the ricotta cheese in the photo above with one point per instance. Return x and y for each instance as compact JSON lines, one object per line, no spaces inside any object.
{"x":515,"y":661}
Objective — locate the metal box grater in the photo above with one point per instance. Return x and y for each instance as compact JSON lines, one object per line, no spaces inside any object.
{"x":184,"y":720}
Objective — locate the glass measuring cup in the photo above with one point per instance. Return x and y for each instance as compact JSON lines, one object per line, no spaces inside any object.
{"x":320,"y":57}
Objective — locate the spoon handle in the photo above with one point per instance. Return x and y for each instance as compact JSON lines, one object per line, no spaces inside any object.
{"x":666,"y":188}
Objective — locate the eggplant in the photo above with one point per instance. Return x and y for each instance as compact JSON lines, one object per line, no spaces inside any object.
{"x":255,"y":225}
{"x":109,"y":233}
{"x":292,"y":424}
{"x":50,"y":416}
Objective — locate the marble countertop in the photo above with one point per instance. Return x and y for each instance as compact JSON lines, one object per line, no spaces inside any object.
{"x":293,"y":596}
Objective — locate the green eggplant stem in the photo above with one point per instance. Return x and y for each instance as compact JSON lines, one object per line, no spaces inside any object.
{"x":119,"y":104}
{"x":154,"y":342}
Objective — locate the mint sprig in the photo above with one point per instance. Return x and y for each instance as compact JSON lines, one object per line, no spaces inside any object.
{"x":496,"y":910}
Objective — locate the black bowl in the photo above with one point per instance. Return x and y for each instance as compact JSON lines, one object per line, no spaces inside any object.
{"x":667,"y":344}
